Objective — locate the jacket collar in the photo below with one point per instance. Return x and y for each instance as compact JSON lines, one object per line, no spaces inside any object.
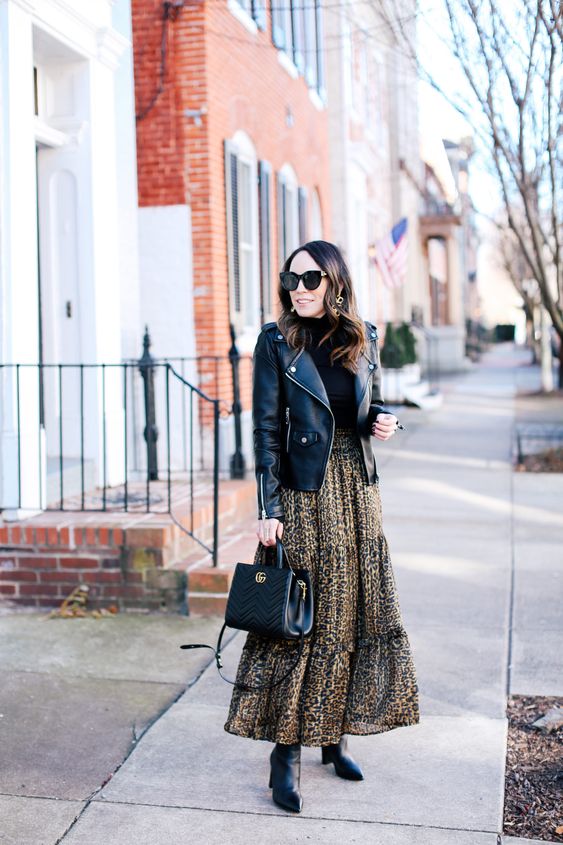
{"x":300,"y":367}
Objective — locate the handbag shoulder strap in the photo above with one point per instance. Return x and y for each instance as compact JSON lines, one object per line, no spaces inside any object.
{"x":247,"y":687}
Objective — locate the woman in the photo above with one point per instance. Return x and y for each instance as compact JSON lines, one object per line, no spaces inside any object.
{"x":316,"y":404}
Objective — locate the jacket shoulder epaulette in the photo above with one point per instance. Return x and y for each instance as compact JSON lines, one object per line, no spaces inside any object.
{"x":271,"y":325}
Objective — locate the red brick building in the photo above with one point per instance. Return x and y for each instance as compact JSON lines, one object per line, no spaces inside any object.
{"x":232,"y":155}
{"x":232,"y":125}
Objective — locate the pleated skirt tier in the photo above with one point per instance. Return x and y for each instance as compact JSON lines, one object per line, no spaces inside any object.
{"x":356,"y":674}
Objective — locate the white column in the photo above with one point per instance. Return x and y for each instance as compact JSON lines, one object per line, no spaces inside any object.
{"x":22,"y":454}
{"x":106,"y":310}
{"x":455,"y":302}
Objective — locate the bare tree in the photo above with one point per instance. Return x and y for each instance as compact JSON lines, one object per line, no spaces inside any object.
{"x":511,"y":54}
{"x":512,"y":262}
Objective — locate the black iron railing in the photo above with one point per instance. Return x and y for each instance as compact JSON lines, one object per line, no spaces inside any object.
{"x":77,"y":432}
{"x":208,"y":373}
{"x":534,"y":438}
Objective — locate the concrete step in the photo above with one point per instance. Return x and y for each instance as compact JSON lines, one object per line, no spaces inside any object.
{"x":419,"y":394}
{"x":72,"y":469}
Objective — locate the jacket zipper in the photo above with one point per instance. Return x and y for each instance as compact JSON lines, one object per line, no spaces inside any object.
{"x":261,"y":487}
{"x":322,"y":403}
{"x":367,"y":382}
{"x":288,"y":423}
{"x":361,"y":400}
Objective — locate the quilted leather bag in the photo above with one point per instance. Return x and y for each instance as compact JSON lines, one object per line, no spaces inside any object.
{"x":271,"y":600}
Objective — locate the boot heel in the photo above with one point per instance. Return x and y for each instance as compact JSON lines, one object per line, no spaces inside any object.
{"x":344,"y":765}
{"x":270,"y":781}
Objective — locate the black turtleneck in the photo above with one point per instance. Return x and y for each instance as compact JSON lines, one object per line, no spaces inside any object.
{"x":338,"y":381}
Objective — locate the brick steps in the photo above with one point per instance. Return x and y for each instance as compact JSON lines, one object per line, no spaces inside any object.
{"x":208,"y":586}
{"x":131,"y":560}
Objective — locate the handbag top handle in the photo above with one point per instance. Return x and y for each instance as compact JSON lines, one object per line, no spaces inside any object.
{"x":282,"y":560}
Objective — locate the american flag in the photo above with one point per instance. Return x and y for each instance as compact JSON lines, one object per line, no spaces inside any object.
{"x":391,"y":255}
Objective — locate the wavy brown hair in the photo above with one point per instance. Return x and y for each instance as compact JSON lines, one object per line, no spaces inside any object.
{"x":348,"y":328}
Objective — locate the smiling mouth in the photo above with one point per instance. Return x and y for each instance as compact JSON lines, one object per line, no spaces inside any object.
{"x":304,"y":301}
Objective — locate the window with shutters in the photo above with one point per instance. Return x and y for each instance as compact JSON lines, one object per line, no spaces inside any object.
{"x":310,"y":44}
{"x":255,"y":9}
{"x":287,"y":212}
{"x":242,"y":233}
{"x":298,"y":34}
{"x":321,"y":84}
{"x":297,"y":30}
{"x":278,"y":30}
{"x":259,"y":13}
{"x":282,"y":30}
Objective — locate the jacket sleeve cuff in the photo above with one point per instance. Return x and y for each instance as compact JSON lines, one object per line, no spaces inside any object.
{"x":374,"y":411}
{"x":280,"y":518}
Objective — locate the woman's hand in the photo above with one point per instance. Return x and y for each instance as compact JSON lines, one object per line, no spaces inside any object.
{"x":268,"y":530}
{"x":385,"y":426}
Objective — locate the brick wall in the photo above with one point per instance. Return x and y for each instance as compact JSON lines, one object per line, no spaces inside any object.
{"x":40,"y":566}
{"x":214,"y":62}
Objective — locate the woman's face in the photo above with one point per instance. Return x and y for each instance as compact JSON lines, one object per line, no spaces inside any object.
{"x":307,"y":303}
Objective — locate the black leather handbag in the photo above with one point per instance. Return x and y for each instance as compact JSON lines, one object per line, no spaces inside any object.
{"x":271,"y":600}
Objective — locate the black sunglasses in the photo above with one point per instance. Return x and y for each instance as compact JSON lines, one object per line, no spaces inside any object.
{"x":311,"y":279}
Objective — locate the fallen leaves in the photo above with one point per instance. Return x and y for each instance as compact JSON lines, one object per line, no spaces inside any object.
{"x":74,"y":605}
{"x":550,"y":460}
{"x":533,"y":800}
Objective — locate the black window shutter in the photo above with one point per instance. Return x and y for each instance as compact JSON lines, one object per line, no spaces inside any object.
{"x":264,"y":182}
{"x":298,"y":34}
{"x":302,"y":209}
{"x":320,"y":54}
{"x":231,"y":204}
{"x":282,"y":226}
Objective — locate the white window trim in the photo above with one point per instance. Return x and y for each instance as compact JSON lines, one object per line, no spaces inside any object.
{"x":289,"y":178}
{"x":250,"y":292}
{"x":288,"y":64}
{"x":316,"y":100}
{"x":242,"y":16}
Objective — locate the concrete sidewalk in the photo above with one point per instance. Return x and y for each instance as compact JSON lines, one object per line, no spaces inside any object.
{"x":110,"y":734}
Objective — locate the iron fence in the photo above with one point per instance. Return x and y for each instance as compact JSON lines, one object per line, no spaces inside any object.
{"x":73,"y":440}
{"x":535,"y":438}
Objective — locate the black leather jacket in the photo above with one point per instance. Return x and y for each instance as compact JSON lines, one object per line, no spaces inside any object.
{"x":292,"y":421}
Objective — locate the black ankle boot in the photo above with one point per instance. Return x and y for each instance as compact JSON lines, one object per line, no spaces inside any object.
{"x":285,"y":773}
{"x":344,"y":765}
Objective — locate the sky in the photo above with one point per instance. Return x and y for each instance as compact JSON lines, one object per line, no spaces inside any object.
{"x":435,"y":109}
{"x":499,"y":300}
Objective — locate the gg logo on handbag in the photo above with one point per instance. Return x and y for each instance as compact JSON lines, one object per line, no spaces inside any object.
{"x":260,"y":577}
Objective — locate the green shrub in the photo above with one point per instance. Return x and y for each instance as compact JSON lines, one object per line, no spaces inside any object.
{"x":408,"y":340}
{"x":393,"y":352}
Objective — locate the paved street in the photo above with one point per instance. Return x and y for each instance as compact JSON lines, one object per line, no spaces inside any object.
{"x":101,"y":741}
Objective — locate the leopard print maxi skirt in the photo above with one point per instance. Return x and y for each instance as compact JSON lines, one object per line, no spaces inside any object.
{"x":356,"y":674}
